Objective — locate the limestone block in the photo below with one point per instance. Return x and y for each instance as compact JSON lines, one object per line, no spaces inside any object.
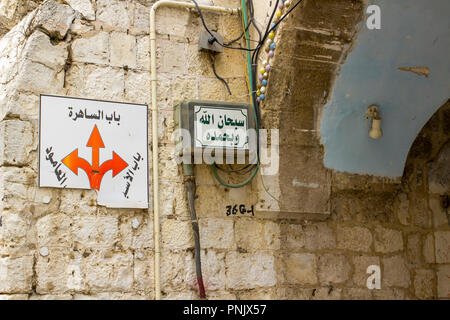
{"x":143,"y":273}
{"x":39,"y":49}
{"x":51,"y":297}
{"x":114,"y":15}
{"x":424,"y":283}
{"x":176,"y":234}
{"x":389,"y":294}
{"x":23,"y":106}
{"x":143,"y":53}
{"x":54,"y":230}
{"x":54,"y":273}
{"x":247,"y":271}
{"x":111,"y":296}
{"x":13,"y":296}
{"x":141,"y":20}
{"x":403,"y":209}
{"x":54,"y":18}
{"x":333,"y":269}
{"x":439,"y":213}
{"x":258,"y":294}
{"x":361,"y":263}
{"x":142,"y":238}
{"x":443,"y":277}
{"x":442,"y":246}
{"x":89,"y":81}
{"x":95,"y":231}
{"x":16,"y":142}
{"x":84,"y":7}
{"x":414,"y":249}
{"x":16,"y":274}
{"x":216,"y":233}
{"x":37,"y":78}
{"x":319,"y":236}
{"x":220,"y":295}
{"x":172,"y":21}
{"x":300,"y":268}
{"x":439,"y":172}
{"x":428,"y":249}
{"x":123,"y":50}
{"x":388,"y":240}
{"x":357,"y":294}
{"x":213,"y":269}
{"x":170,"y":57}
{"x":13,"y":233}
{"x":326,"y":293}
{"x":105,"y":270}
{"x":395,"y":272}
{"x":14,"y":184}
{"x":75,"y":201}
{"x":177,"y":270}
{"x":92,"y":49}
{"x":420,"y":213}
{"x":137,"y":87}
{"x":294,"y":236}
{"x":354,"y":238}
{"x":254,"y":235}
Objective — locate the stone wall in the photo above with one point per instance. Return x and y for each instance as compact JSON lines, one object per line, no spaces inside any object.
{"x":59,"y":244}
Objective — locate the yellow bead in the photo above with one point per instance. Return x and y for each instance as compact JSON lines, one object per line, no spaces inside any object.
{"x":258,"y":92}
{"x":262,"y":70}
{"x":271,"y":35}
{"x":278,"y":14}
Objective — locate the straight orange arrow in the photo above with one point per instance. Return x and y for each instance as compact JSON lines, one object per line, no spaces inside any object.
{"x":95,"y":142}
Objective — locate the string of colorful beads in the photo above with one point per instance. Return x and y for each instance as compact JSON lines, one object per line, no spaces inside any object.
{"x":270,"y":49}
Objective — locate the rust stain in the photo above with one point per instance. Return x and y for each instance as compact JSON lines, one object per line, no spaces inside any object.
{"x":421,"y":71}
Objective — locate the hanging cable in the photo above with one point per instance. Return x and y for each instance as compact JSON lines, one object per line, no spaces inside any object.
{"x":213,"y":63}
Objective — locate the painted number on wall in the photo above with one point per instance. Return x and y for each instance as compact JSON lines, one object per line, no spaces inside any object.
{"x":241,"y":209}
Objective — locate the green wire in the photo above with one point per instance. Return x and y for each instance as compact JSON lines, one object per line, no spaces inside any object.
{"x":250,"y":79}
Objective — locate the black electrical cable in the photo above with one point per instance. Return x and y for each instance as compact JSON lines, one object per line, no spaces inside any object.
{"x":213,"y":60}
{"x":190,"y":189}
{"x":213,"y":37}
{"x":286,"y":14}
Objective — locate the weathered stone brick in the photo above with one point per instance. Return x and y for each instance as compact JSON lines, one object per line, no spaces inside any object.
{"x":92,"y":49}
{"x":333,"y":269}
{"x":388,"y":240}
{"x":216,"y":233}
{"x":395,"y":272}
{"x":300,"y":268}
{"x":213,"y":268}
{"x":122,"y":50}
{"x":177,"y":234}
{"x":55,"y":18}
{"x":424,"y":283}
{"x":319,"y":236}
{"x":54,"y":230}
{"x":246,"y":271}
{"x":16,"y":142}
{"x":354,"y":238}
{"x":39,"y":49}
{"x":357,"y":294}
{"x":95,"y":231}
{"x":253,"y":235}
{"x":442,"y":246}
{"x":414,"y":249}
{"x":439,"y":214}
{"x":113,"y":14}
{"x":428,"y":249}
{"x":84,"y":7}
{"x":16,"y":274}
{"x":361,"y":263}
{"x":443,"y":277}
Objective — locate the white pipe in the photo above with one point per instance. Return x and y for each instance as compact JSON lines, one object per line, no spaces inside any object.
{"x":153,"y":78}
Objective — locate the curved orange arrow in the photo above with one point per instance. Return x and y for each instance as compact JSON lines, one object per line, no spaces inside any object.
{"x":94,"y":172}
{"x":117,"y":164}
{"x":73,"y":162}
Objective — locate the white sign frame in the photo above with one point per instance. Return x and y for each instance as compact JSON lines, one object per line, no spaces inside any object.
{"x":95,"y":144}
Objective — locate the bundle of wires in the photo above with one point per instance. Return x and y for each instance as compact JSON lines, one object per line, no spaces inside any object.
{"x":252,"y":61}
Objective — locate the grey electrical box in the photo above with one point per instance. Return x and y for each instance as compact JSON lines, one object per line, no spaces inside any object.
{"x":203,"y":42}
{"x":215,"y":125}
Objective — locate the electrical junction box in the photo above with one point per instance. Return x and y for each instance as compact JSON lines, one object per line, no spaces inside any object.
{"x":215,"y":125}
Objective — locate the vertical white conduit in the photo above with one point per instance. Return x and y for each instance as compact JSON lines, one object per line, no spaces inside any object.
{"x":154,"y":108}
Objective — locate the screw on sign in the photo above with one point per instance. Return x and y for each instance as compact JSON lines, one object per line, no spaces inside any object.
{"x":95,"y":172}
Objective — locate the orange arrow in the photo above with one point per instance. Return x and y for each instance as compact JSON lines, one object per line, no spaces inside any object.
{"x":116,"y":164}
{"x":95,"y":142}
{"x":73,"y":162}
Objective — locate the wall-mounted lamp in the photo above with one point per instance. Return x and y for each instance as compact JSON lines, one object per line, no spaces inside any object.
{"x":375,"y":130}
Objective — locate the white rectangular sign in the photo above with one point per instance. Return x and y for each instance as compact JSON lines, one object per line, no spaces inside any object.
{"x":222,"y":127}
{"x":92,"y":144}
